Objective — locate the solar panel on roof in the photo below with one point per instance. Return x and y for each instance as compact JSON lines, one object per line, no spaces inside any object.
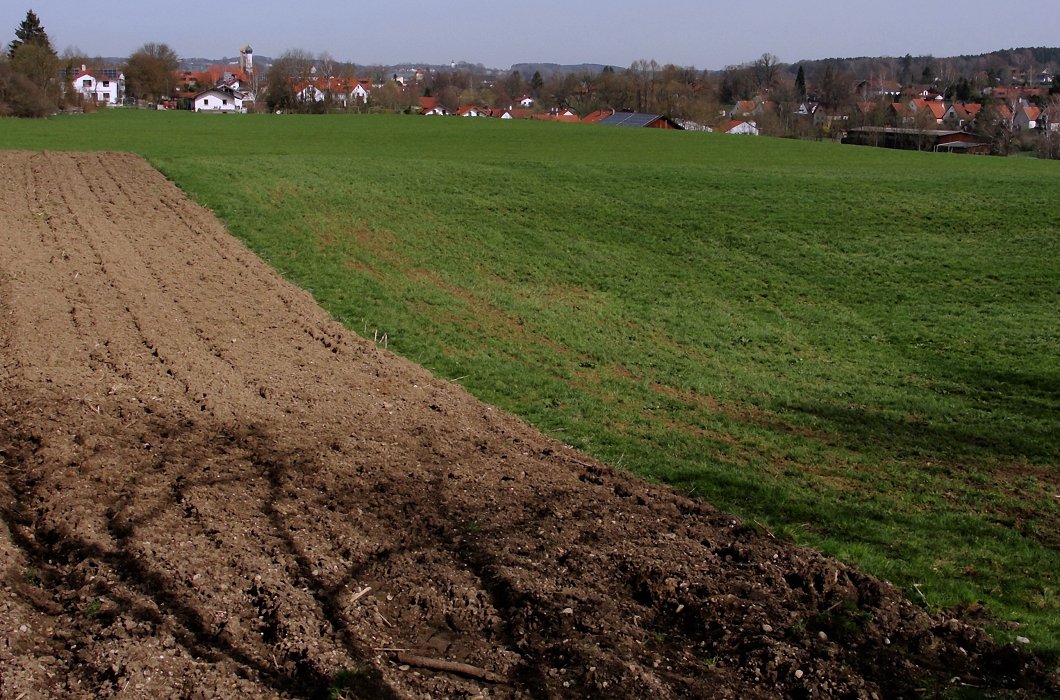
{"x":634,"y":119}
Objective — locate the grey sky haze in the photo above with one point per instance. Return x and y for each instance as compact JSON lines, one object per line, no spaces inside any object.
{"x":706,"y":34}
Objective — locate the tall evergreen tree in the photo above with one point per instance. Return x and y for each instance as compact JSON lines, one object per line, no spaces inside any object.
{"x":800,"y":84}
{"x":32,"y":72}
{"x":30,"y":32}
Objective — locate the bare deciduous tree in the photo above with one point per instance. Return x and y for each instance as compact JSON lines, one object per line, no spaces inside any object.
{"x":765,"y":71}
{"x":293,"y":67}
{"x":150,"y":72}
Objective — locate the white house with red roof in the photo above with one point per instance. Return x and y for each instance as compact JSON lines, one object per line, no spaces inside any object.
{"x":219,"y":99}
{"x":309,"y":92}
{"x":103,"y":86}
{"x":360,"y":92}
{"x":472,"y":111}
{"x":740,"y":127}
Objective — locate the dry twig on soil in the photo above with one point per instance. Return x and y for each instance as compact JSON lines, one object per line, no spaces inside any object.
{"x":450,"y":667}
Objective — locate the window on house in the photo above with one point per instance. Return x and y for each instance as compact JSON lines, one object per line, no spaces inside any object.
{"x":224,"y":102}
{"x":106,"y":83}
{"x":87,"y":82}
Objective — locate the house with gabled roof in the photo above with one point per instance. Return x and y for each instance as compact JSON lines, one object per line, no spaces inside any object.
{"x":1026,"y":116}
{"x":962,"y":114}
{"x":309,"y":91}
{"x":472,"y":111}
{"x":934,"y":107}
{"x":102,"y":86}
{"x":360,"y":92}
{"x":219,"y":99}
{"x":739,"y":127}
{"x":557,"y":114}
{"x":510,"y":113}
{"x":743,"y":108}
{"x":938,"y":109}
{"x":430,"y":107}
{"x":1005,"y":113}
{"x":902,"y":114}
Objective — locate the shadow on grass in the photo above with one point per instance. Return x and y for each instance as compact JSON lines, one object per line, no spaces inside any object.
{"x":1035,"y":439}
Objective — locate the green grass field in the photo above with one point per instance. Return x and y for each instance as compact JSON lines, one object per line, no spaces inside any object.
{"x":854,"y":348}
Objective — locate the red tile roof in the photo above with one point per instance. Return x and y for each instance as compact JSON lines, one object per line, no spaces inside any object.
{"x":937,"y":108}
{"x":513,"y":113}
{"x":745,"y":106}
{"x":730,"y":125}
{"x":598,"y":116}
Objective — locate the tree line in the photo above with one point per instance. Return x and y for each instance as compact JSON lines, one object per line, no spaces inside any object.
{"x":34,"y":81}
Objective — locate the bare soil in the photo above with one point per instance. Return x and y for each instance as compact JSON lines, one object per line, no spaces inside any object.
{"x":209,"y":488}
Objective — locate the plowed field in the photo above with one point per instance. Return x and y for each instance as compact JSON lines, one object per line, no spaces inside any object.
{"x":211,"y":489}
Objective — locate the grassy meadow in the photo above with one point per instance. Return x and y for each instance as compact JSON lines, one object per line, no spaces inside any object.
{"x":857,"y":349}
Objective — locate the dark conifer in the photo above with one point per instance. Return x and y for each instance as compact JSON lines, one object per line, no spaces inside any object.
{"x":800,"y":84}
{"x":30,"y":32}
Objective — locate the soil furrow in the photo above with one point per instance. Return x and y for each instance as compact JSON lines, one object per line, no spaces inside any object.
{"x":209,"y":488}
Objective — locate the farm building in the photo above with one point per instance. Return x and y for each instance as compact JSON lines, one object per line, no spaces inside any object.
{"x":639,"y":120}
{"x":938,"y":140}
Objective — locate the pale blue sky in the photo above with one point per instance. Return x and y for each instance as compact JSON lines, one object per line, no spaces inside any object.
{"x":705,"y":34}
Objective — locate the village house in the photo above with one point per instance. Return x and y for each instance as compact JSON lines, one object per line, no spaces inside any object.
{"x":935,"y":107}
{"x":743,"y":108}
{"x":1026,"y":116}
{"x":219,"y":99}
{"x":510,"y":113}
{"x":739,"y":127}
{"x":962,"y":114}
{"x":102,"y":86}
{"x":472,"y":111}
{"x":557,"y":114}
{"x":430,"y":107}
{"x":360,"y":92}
